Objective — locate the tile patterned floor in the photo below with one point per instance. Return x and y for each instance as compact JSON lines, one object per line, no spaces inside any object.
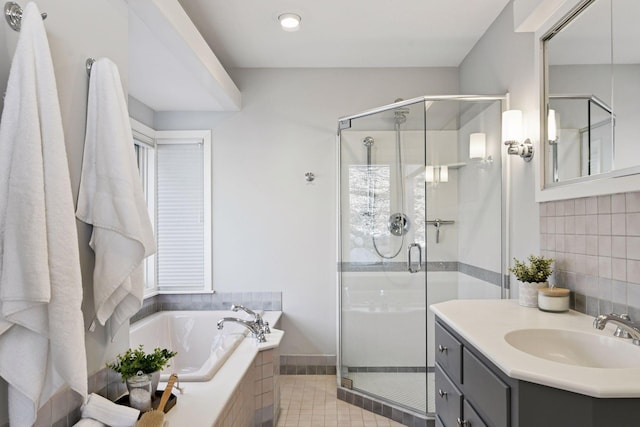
{"x":310,"y":401}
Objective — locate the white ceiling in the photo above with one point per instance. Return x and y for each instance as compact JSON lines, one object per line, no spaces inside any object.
{"x":339,"y":33}
{"x":189,"y":43}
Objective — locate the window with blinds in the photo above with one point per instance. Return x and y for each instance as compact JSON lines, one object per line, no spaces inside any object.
{"x":183,"y":215}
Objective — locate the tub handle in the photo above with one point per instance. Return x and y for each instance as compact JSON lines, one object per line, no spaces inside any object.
{"x":409,"y":261}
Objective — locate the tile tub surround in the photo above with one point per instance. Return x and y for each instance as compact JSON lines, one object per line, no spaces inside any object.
{"x":267,"y":301}
{"x":63,"y":410}
{"x":242,"y":393}
{"x":596,"y":244}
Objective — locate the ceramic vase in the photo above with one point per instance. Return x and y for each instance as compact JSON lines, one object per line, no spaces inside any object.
{"x":155,"y":379}
{"x":528,"y":293}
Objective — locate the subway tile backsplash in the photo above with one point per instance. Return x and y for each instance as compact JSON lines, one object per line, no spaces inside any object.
{"x":596,"y":244}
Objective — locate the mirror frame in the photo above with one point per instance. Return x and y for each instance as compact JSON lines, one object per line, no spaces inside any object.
{"x":616,"y":181}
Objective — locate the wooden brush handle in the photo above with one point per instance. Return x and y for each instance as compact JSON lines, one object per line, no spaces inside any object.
{"x":167,"y":392}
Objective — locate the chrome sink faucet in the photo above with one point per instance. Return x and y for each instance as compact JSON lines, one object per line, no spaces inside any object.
{"x":626,"y":327}
{"x":256,"y":317}
{"x":255,"y":329}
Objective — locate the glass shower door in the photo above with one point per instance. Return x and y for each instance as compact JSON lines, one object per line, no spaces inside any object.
{"x":382,"y":271}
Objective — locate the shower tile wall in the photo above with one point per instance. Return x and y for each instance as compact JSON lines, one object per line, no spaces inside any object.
{"x":596,"y":244}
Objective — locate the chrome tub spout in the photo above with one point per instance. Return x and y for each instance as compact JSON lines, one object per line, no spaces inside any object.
{"x":264,"y":326}
{"x":255,"y":329}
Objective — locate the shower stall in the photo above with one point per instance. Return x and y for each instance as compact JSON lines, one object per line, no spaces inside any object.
{"x":421,"y":220}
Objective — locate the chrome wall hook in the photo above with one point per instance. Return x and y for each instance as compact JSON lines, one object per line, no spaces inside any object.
{"x":310,"y":176}
{"x":89,"y":64}
{"x":13,"y":15}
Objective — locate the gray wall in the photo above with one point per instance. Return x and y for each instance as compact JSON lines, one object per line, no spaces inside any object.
{"x":503,"y":61}
{"x":273,"y":231}
{"x":77,"y":30}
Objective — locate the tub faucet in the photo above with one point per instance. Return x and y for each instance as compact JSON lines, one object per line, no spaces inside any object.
{"x":623,"y":322}
{"x":256,"y":317}
{"x":251,"y":325}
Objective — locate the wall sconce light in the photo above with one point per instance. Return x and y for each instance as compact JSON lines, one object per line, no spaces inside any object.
{"x":478,"y":147}
{"x":435,"y":174}
{"x":512,"y":135}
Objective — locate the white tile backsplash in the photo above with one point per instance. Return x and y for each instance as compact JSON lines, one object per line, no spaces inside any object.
{"x":596,"y":244}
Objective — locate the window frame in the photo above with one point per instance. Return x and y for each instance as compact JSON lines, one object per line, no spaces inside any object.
{"x":149,"y":139}
{"x":144,"y":137}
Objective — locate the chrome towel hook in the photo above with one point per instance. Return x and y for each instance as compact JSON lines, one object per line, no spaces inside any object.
{"x":13,"y":14}
{"x":89,"y":64}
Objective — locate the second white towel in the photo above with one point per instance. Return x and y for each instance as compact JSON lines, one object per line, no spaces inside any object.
{"x":111,"y":199}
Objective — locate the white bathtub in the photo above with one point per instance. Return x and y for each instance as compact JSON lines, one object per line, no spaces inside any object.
{"x":202,"y":348}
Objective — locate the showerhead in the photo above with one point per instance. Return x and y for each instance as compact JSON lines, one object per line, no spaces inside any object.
{"x":368,"y":141}
{"x":400,"y":114}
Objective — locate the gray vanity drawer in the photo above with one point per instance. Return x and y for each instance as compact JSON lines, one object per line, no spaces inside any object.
{"x":471,"y":416}
{"x":488,"y":394}
{"x":449,"y":353}
{"x":448,"y":399}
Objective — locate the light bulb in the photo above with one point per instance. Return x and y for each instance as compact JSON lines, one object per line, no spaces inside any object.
{"x":289,"y":21}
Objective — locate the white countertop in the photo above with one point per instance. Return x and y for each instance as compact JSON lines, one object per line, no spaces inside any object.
{"x":484,"y":323}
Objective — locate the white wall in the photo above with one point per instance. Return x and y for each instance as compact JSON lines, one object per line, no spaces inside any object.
{"x":271,"y":229}
{"x":77,"y":30}
{"x":503,"y":61}
{"x":480,"y":188}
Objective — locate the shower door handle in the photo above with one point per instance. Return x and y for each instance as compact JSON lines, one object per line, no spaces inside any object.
{"x":409,"y":261}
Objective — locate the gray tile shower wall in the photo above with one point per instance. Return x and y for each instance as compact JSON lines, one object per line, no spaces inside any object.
{"x":596,"y":244}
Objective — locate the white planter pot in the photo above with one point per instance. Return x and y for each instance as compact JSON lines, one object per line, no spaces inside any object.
{"x":528,"y":293}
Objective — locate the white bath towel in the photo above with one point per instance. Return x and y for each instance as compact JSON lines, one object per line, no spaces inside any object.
{"x":89,"y":422}
{"x":111,"y":199}
{"x":109,"y":413}
{"x":41,"y":325}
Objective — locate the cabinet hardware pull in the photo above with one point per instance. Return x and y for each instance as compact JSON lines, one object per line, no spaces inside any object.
{"x":463,"y":423}
{"x":442,"y":393}
{"x":442,"y":349}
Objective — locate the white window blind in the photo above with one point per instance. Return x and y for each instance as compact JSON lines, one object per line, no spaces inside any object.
{"x":183,"y":222}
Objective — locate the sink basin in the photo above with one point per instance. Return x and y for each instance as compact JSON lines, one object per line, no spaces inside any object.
{"x":576,"y":348}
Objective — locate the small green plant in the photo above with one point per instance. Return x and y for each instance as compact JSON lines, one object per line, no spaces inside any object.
{"x":135,"y":360}
{"x":538,"y":269}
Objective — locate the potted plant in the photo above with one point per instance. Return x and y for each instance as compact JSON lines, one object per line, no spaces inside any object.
{"x":136,"y":360}
{"x":531,"y":276}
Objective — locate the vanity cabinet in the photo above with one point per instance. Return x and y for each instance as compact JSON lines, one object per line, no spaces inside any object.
{"x":473,"y":392}
{"x":468,"y":393}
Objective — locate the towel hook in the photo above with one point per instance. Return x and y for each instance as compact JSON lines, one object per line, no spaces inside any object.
{"x":13,"y":14}
{"x":89,"y":64}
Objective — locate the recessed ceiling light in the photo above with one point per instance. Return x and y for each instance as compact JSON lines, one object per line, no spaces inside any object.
{"x":289,"y":21}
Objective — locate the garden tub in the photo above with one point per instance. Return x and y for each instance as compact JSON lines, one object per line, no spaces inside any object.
{"x":202,"y":348}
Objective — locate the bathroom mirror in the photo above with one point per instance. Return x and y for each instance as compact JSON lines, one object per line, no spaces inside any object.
{"x":592,"y":92}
